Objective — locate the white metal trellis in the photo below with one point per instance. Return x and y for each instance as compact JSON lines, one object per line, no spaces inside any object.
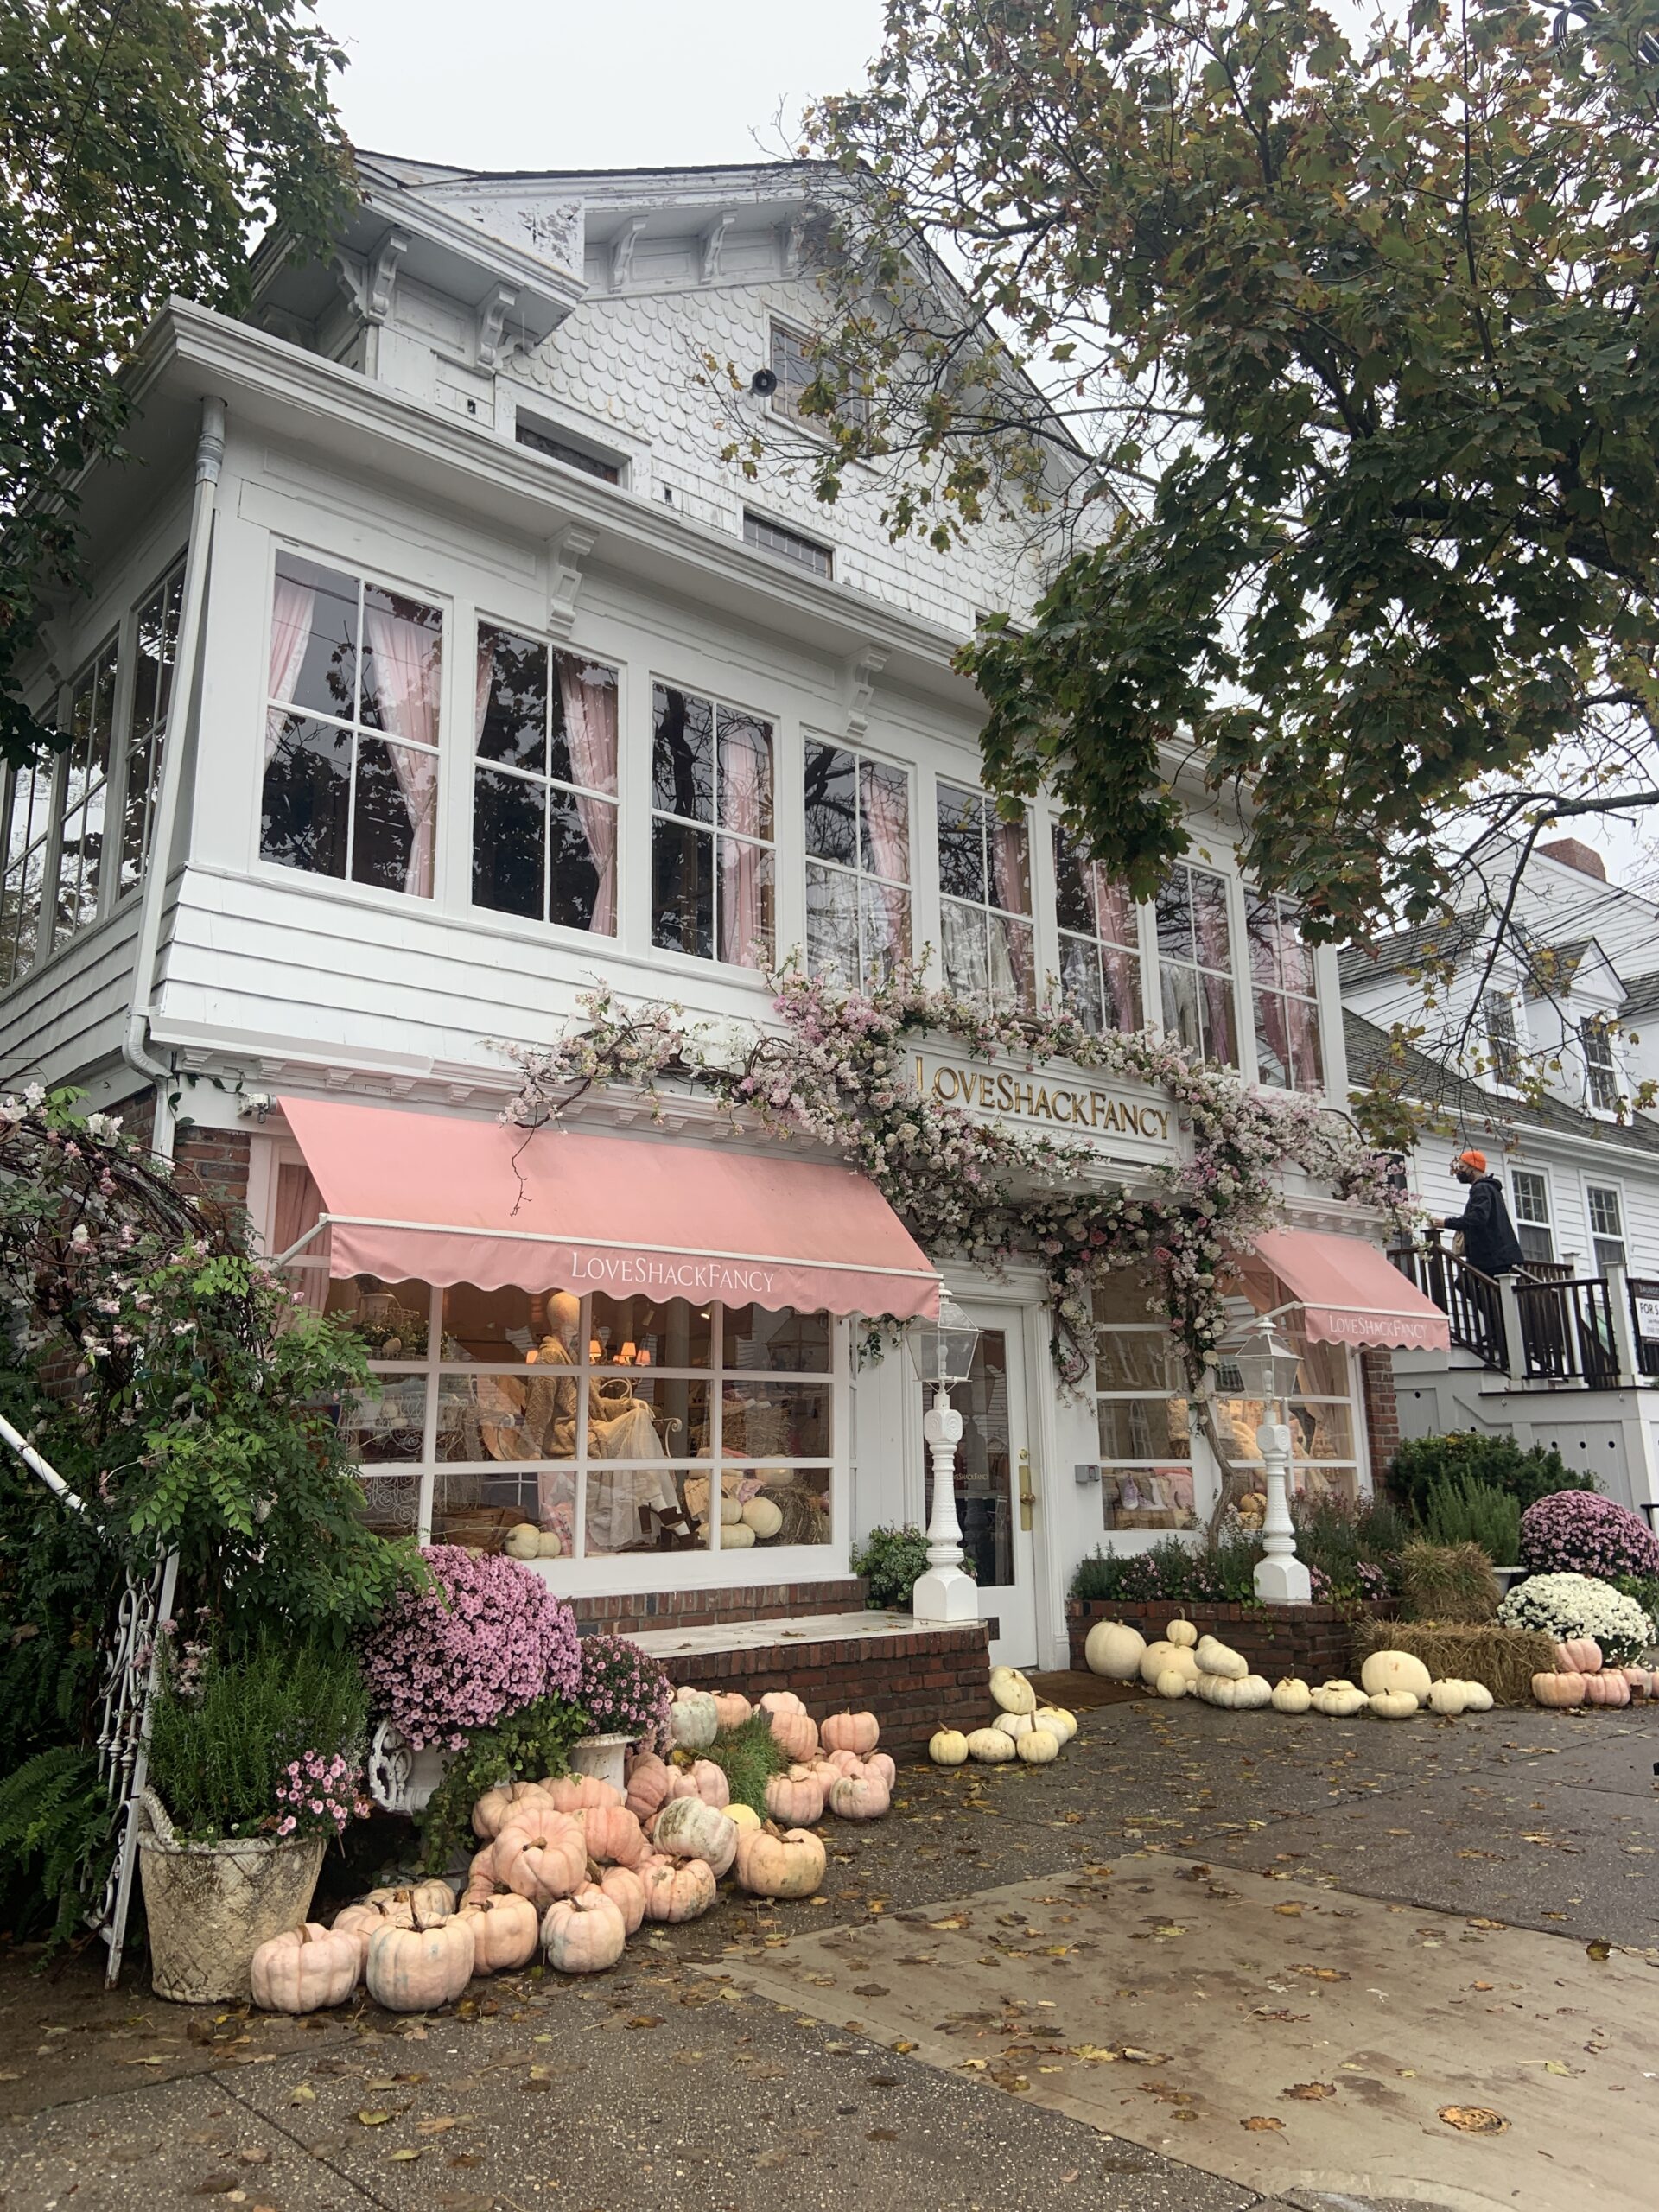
{"x":131,"y":1673}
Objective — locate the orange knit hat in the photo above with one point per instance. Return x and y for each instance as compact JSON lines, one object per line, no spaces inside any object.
{"x":1476,"y":1162}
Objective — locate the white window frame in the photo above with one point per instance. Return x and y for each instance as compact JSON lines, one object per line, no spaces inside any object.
{"x":1544,"y":1222}
{"x":1598,"y":1237}
{"x":1098,"y":945}
{"x":1244,"y":1060}
{"x":1110,"y":1466}
{"x":854,"y":872}
{"x":1599,"y":1049}
{"x":987,"y":908}
{"x":1496,"y":999}
{"x":856,"y":406}
{"x":716,"y":697}
{"x":1353,"y":1398}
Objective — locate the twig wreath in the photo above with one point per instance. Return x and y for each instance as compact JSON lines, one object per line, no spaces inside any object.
{"x":838,"y":1073}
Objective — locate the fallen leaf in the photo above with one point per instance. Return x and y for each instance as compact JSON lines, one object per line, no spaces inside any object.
{"x":869,"y":1989}
{"x":404,"y":2155}
{"x":649,"y":2019}
{"x":438,"y":2126}
{"x":1289,"y":1911}
{"x":1262,"y":2124}
{"x":300,"y":2094}
{"x":1598,"y":1951}
{"x":373,"y":2119}
{"x":901,"y":2046}
{"x":1309,"y":2092}
{"x":1555,"y":2066}
{"x":881,"y":2135}
{"x":1474,"y":2119}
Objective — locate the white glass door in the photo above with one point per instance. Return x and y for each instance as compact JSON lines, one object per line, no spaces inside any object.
{"x":993,"y":1470}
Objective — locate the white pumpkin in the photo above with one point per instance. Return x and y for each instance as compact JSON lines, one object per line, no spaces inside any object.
{"x":1014,"y":1725}
{"x":1448,"y":1698}
{"x":523,"y":1541}
{"x":1214,"y":1657}
{"x":1114,"y":1649}
{"x":990,"y":1746}
{"x":1173,"y":1683}
{"x":1252,"y":1694}
{"x":692,"y":1719}
{"x":1058,"y":1721}
{"x":1158,"y":1658}
{"x":1181,"y":1632}
{"x":1217,"y":1689}
{"x":1291,"y":1696}
{"x":1393,"y":1704}
{"x":947,"y":1747}
{"x":1037,"y":1747}
{"x":765,"y":1515}
{"x":1011,"y":1691}
{"x":738,"y":1537}
{"x":1339,"y":1701}
{"x":547,"y":1545}
{"x":1476,"y":1698}
{"x":1396,"y":1670}
{"x":731,"y":1512}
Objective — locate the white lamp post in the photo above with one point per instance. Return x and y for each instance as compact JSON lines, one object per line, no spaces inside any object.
{"x":943,"y":1354}
{"x":1269,"y":1370}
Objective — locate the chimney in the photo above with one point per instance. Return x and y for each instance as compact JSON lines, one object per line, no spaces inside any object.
{"x":1572,"y":851}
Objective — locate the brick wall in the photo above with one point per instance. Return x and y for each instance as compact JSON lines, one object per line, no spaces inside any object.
{"x":769,"y":1601}
{"x":1314,"y":1641}
{"x":914,"y":1684}
{"x":1382,"y":1411}
{"x":214,"y":1164}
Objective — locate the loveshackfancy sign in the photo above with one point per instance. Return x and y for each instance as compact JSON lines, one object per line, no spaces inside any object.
{"x":1073,"y":1109}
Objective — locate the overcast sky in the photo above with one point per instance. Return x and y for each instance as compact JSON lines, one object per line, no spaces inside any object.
{"x":605,"y":84}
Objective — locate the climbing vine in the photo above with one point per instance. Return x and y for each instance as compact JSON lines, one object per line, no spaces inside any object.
{"x":839,"y":1073}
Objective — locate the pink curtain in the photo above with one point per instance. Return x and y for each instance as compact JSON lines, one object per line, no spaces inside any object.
{"x":1215,"y":947}
{"x":1302,"y":1021}
{"x":1272,"y":1033}
{"x":1012,"y":965}
{"x":292,"y":605}
{"x":299,"y":1202}
{"x":485,"y":681}
{"x":406,"y":662}
{"x":885,"y":798}
{"x":589,"y":698}
{"x":1120,"y":957}
{"x":746,"y":790}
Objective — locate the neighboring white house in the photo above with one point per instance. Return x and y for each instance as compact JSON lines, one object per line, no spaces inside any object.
{"x":504,"y":681}
{"x":1534,"y":1053}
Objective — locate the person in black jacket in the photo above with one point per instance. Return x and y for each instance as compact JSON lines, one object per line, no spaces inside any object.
{"x":1489,"y":1239}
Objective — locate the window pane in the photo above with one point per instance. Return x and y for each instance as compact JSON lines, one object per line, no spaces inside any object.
{"x":315,"y":638}
{"x":1271,"y":1041}
{"x":21,"y":919}
{"x":1220,"y":1040}
{"x":509,"y":856}
{"x":391,"y":1319}
{"x":782,"y":1342}
{"x":645,"y":1509}
{"x":664,"y":1333}
{"x":1144,"y":1428}
{"x":394,"y":823}
{"x":1214,"y":937}
{"x":389,"y":1426}
{"x":1173,"y":911}
{"x":1080,"y":986}
{"x":402,"y":665}
{"x":641,"y":1414}
{"x":884,"y":820}
{"x":746,"y":903}
{"x":1122,"y":974}
{"x":832,"y":925}
{"x":745,"y":773}
{"x":1132,"y":1359}
{"x":391,"y":1503}
{"x":573,"y":897}
{"x":1181,"y":1006}
{"x":143,"y":763}
{"x":1261,"y":929}
{"x":683,"y":754}
{"x":963,"y":929}
{"x":583,"y":750}
{"x":682,"y":889}
{"x":801,"y":1496}
{"x":831,"y":803}
{"x":515,"y":718}
{"x":1010,"y":866}
{"x":307,"y":795}
{"x":885,"y":911}
{"x":1073,"y":908}
{"x":781,"y":1421}
{"x":493,"y":1325}
{"x":1321,"y":1432}
{"x":962,"y":843}
{"x":1013,"y":965}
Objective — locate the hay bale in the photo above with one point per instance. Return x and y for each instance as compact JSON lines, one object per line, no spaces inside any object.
{"x":1451,"y":1583}
{"x":1505,"y":1659}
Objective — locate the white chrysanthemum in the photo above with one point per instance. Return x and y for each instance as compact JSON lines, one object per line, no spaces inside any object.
{"x":1565,"y":1605}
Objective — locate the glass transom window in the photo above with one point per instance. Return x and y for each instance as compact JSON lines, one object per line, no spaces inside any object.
{"x":545,"y":784}
{"x":985,"y":902}
{"x":711,"y":830}
{"x":351,"y":780}
{"x":857,"y":866}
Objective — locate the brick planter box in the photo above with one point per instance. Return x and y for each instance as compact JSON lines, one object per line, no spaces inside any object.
{"x":1314,"y":1641}
{"x":768,"y":1601}
{"x":935,"y":1678}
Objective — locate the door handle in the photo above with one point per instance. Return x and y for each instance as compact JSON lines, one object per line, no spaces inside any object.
{"x":1027,"y":1495}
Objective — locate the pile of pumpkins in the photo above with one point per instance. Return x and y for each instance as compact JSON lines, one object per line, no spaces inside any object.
{"x":572,"y":1866}
{"x":1580,"y":1678}
{"x":1392,"y":1684}
{"x":1022,"y":1729}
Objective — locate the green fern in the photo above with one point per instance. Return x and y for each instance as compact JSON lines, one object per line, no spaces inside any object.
{"x":57,"y":1840}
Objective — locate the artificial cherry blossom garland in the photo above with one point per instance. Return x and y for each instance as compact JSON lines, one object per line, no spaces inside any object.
{"x":838,"y":1073}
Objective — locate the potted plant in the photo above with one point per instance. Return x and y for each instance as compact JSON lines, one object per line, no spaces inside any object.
{"x":627,"y":1696}
{"x":255,"y":1761}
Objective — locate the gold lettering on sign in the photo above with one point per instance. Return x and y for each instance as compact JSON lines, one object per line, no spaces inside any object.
{"x":1004,"y":1093}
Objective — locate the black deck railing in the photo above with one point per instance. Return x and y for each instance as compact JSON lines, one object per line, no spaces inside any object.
{"x":1567,"y":1332}
{"x":1470,"y":1301}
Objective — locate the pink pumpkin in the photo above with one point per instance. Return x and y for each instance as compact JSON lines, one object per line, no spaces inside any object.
{"x":795,"y":1733}
{"x":580,"y":1792}
{"x":1558,"y":1690}
{"x":583,"y":1933}
{"x":732,"y":1708}
{"x":360,"y":1920}
{"x":1579,"y":1655}
{"x":795,"y":1799}
{"x":1640,"y":1680}
{"x":627,"y":1893}
{"x":858,"y":1797}
{"x":851,"y":1731}
{"x":711,"y":1784}
{"x":824,"y":1772}
{"x":780,"y":1701}
{"x":677,"y":1889}
{"x":305,"y":1968}
{"x":541,"y":1857}
{"x":846,"y":1762}
{"x":1608,"y":1689}
{"x":649,"y":1785}
{"x":881,"y":1765}
{"x":611,"y":1834}
{"x":496,"y":1806}
{"x":505,"y":1929}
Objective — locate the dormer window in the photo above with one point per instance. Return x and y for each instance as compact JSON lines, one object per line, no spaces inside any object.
{"x":1601,"y":1084}
{"x":1503,"y":1037}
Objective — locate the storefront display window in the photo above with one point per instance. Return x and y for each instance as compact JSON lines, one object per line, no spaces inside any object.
{"x":1324,"y":1448}
{"x":600,"y":1420}
{"x":1145,"y":1445}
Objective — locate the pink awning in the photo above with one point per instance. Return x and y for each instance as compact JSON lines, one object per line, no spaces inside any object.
{"x":1351,"y":1294}
{"x":435,"y":1198}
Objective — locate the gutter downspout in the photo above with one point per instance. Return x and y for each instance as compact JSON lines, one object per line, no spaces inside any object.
{"x":209,"y":454}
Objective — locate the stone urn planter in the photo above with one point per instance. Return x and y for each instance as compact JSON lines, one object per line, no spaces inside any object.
{"x":603,"y":1756}
{"x":210,"y":1905}
{"x":402,"y":1779}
